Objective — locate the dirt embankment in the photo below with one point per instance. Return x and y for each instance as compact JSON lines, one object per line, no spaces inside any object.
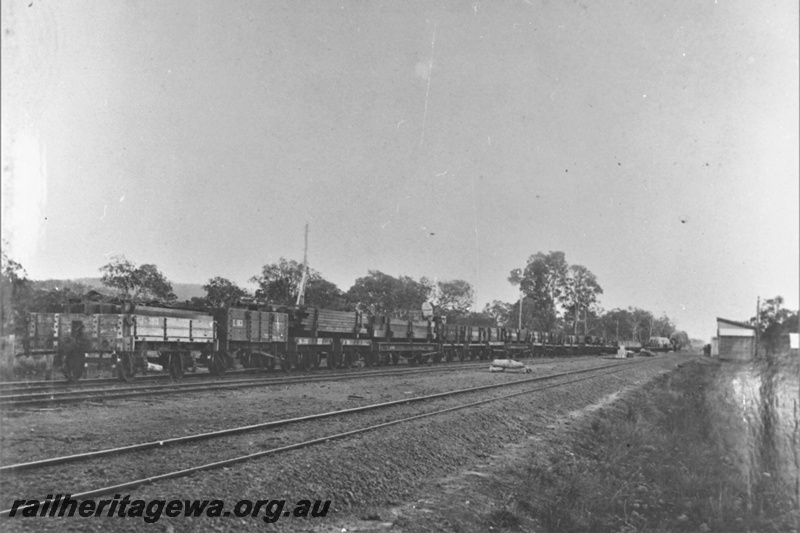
{"x":699,"y":449}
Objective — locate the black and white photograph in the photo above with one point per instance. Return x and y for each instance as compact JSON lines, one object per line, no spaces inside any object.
{"x":342,"y":266}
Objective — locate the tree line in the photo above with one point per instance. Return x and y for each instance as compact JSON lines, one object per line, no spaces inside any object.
{"x":554,"y":296}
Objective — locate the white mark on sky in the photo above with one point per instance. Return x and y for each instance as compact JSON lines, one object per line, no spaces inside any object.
{"x":385,"y":223}
{"x":398,"y":124}
{"x":105,"y":209}
{"x":475,"y":6}
{"x":490,"y":139}
{"x":428,"y":89}
{"x":441,"y":174}
{"x":122,"y":199}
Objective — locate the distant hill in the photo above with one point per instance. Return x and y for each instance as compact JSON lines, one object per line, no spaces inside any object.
{"x":184,"y":291}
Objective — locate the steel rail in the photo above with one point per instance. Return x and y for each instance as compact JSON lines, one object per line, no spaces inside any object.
{"x":98,"y":395}
{"x":234,"y":460}
{"x":181,"y":385}
{"x":34,"y":386}
{"x":284,"y":422}
{"x":240,"y":377}
{"x":73,"y":397}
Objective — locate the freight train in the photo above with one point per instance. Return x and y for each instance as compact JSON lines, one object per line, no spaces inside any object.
{"x":268,"y":337}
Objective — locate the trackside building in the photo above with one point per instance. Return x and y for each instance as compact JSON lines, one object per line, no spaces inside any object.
{"x":736,"y":341}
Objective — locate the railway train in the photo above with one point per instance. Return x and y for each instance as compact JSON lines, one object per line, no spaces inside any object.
{"x":268,"y":337}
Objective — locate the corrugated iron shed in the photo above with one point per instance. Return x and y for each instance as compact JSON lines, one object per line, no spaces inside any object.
{"x":737,"y":341}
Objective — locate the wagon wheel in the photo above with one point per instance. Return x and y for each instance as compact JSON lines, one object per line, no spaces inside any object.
{"x":332,"y":360}
{"x":74,"y":365}
{"x":347,"y":360}
{"x":308,"y":361}
{"x":395,"y":358}
{"x":176,"y":366}
{"x":255,"y":361}
{"x":125,"y":369}
{"x":286,"y":362}
{"x":437,"y":358}
{"x":217,"y":365}
{"x":269,"y":363}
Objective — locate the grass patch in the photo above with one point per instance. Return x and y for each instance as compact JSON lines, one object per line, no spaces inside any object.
{"x":663,"y":458}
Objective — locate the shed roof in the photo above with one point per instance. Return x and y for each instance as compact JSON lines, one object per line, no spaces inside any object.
{"x":729,"y":323}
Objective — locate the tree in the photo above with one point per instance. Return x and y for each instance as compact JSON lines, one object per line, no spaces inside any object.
{"x":639,"y":319}
{"x":616,"y":324}
{"x":382,"y":294}
{"x":543,"y":280}
{"x":773,"y":322}
{"x":660,"y":327}
{"x":499,"y":312}
{"x":680,"y":340}
{"x":323,"y":293}
{"x":14,"y":286}
{"x":222,"y":292}
{"x":279,"y":283}
{"x":134,"y":283}
{"x":454,"y":297}
{"x":580,"y":294}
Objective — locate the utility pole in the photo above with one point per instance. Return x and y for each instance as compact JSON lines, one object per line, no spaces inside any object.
{"x":758,"y":326}
{"x":520,"y":306}
{"x":301,"y":293}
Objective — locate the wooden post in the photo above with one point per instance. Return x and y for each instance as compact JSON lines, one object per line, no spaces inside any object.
{"x":758,"y":326}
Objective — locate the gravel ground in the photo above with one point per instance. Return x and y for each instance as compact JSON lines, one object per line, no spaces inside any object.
{"x":28,"y":435}
{"x":370,"y":476}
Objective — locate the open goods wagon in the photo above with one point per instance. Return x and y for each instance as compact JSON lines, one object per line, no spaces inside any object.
{"x":264,"y":337}
{"x":144,"y":334}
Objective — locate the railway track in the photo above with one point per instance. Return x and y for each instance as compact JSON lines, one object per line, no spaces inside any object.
{"x":82,"y":394}
{"x":313,"y":431}
{"x":11,"y":387}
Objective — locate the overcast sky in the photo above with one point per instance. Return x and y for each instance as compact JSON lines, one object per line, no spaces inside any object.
{"x":654,"y":142}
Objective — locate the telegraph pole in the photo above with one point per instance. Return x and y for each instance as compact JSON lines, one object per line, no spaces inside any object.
{"x":758,"y":326}
{"x":301,"y":293}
